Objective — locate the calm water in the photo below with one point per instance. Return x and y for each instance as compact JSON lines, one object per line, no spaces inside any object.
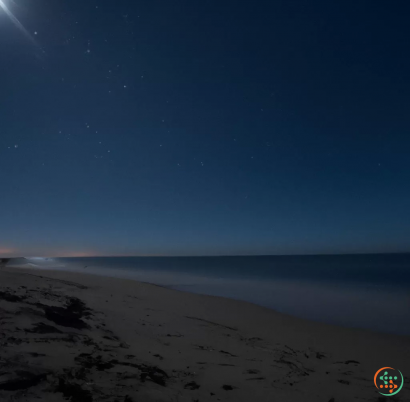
{"x":365,"y":291}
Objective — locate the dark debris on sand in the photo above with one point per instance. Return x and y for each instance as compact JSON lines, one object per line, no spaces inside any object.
{"x":41,"y":328}
{"x":73,"y":391}
{"x":52,"y":319}
{"x":150,"y":373}
{"x":7,"y":296}
{"x":69,"y":316}
{"x":192,"y":385}
{"x":88,"y":361}
{"x":228,"y":387}
{"x":21,"y":380}
{"x":153,"y":374}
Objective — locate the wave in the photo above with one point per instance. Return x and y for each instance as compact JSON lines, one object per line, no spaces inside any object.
{"x":31,"y":262}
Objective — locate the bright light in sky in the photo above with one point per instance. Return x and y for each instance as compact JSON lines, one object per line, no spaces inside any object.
{"x":16,"y":22}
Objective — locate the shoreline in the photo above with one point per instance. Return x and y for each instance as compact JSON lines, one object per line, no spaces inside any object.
{"x":194,"y":344}
{"x":354,"y":304}
{"x":54,"y":274}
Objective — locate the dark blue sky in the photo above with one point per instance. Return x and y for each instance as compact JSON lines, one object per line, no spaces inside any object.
{"x":204,"y":128}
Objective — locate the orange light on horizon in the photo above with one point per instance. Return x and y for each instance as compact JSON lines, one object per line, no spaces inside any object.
{"x":41,"y":253}
{"x":6,"y":251}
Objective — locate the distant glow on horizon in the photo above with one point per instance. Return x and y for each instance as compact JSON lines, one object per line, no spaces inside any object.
{"x":16,"y":22}
{"x":4,"y":251}
{"x":45,"y":254}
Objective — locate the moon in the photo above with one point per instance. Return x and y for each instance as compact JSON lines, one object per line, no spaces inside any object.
{"x":16,"y":22}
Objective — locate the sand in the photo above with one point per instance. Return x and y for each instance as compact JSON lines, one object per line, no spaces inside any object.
{"x":68,"y":336}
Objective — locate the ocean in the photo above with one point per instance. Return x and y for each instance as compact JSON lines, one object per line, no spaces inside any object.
{"x":370,"y":291}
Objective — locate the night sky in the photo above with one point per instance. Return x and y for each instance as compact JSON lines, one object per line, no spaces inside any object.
{"x":183,"y":127}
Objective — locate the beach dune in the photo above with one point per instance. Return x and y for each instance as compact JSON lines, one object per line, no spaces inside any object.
{"x":80,"y":337}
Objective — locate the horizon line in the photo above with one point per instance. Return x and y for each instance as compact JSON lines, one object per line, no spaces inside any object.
{"x":210,"y":256}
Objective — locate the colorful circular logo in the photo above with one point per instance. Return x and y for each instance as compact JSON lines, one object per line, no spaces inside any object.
{"x":388,"y":381}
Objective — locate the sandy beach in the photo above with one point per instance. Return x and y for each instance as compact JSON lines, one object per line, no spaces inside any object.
{"x":79,"y":337}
